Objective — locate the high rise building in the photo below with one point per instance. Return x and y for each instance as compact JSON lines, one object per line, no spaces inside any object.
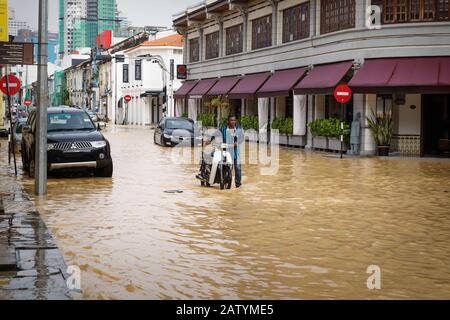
{"x":82,"y":20}
{"x":70,"y":14}
{"x":15,"y":25}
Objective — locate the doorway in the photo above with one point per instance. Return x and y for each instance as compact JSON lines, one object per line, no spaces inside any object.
{"x":436,"y":125}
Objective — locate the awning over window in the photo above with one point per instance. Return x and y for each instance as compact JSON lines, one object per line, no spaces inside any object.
{"x":248,"y":86}
{"x":184,"y":89}
{"x":281,"y":83}
{"x":323,"y":79}
{"x":202,"y":88}
{"x":414,"y":75}
{"x":223,"y":86}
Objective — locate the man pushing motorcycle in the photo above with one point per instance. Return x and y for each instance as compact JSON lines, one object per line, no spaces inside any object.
{"x":233,"y":136}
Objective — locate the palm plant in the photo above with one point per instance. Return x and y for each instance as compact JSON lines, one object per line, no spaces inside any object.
{"x":382,"y":127}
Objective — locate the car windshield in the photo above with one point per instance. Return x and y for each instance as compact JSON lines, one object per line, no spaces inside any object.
{"x":179,"y":124}
{"x":69,"y":121}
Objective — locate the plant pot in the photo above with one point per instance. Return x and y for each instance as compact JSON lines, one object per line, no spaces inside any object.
{"x":320,"y":143}
{"x":335,"y":144}
{"x":383,"y":151}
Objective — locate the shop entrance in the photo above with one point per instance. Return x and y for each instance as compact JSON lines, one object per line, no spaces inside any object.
{"x":436,"y":125}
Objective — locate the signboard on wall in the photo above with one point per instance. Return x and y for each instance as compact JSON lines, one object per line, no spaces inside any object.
{"x":16,"y":53}
{"x":4,"y":36}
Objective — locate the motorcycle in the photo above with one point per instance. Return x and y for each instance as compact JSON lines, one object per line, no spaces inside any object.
{"x":216,"y":168}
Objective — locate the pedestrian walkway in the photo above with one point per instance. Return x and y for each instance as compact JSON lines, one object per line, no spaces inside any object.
{"x":31,"y":266}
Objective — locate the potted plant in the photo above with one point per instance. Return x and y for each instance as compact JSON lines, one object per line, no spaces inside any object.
{"x":382,"y":128}
{"x":284,"y":128}
{"x":327,"y":133}
{"x":250,"y":124}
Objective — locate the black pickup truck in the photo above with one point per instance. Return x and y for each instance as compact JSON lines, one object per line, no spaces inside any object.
{"x":74,"y":142}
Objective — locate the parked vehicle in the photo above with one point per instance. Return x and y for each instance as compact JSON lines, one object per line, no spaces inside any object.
{"x":93,"y":115}
{"x":17,"y":131}
{"x":74,"y":142}
{"x":171,"y":132}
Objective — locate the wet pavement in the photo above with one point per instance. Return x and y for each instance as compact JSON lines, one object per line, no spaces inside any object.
{"x":309,"y":232}
{"x":31,"y":266}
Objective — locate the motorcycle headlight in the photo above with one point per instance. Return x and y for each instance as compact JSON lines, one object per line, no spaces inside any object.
{"x":98,"y":144}
{"x":50,"y":146}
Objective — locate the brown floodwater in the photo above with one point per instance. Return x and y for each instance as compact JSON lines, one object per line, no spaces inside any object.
{"x":308,"y":232}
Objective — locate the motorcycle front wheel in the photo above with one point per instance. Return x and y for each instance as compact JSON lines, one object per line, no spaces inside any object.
{"x":227,"y":179}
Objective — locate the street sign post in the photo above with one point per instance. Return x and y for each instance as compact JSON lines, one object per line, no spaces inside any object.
{"x":10,"y":85}
{"x":343,"y":95}
{"x":127,"y":98}
{"x":181,"y":72}
{"x":16,"y":53}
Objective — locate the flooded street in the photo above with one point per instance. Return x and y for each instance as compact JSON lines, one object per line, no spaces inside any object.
{"x":309,"y":232}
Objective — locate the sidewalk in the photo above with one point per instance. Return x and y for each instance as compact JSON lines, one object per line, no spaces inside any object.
{"x":31,"y":266}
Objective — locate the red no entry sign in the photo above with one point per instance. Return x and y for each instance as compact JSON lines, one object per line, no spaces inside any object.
{"x":127,"y":98}
{"x":343,"y":93}
{"x":28,"y":102}
{"x":13,"y":86}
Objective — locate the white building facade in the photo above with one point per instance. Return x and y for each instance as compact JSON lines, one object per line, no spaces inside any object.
{"x":144,"y":75}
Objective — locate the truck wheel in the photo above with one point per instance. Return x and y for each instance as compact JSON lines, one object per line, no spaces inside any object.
{"x":105,"y":172}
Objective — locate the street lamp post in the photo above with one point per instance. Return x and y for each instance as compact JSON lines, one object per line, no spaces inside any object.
{"x":41,"y":123}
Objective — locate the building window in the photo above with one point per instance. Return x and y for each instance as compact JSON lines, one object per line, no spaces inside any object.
{"x":262,"y":32}
{"x":212,"y":45}
{"x":398,"y":11}
{"x":194,"y":50}
{"x":234,"y":40}
{"x":443,"y":10}
{"x":296,"y":23}
{"x":126,"y":73}
{"x":138,"y":70}
{"x":337,"y":15}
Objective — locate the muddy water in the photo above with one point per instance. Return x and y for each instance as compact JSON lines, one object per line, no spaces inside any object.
{"x":309,"y":232}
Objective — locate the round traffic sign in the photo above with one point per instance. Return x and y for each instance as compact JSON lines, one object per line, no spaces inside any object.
{"x":343,"y":93}
{"x":28,"y":102}
{"x":127,"y":98}
{"x":12,"y":87}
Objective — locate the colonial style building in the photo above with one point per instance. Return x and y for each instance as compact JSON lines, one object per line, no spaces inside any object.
{"x":284,"y":58}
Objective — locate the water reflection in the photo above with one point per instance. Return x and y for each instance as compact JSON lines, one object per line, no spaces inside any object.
{"x":309,"y":232}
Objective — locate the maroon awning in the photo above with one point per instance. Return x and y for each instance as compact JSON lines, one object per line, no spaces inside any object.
{"x":184,"y":89}
{"x":223,"y":86}
{"x":202,"y":88}
{"x":323,"y":79}
{"x":248,"y":86}
{"x":408,"y":75}
{"x":281,"y":83}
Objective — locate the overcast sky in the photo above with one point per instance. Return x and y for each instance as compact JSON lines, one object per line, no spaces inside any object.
{"x":140,"y":12}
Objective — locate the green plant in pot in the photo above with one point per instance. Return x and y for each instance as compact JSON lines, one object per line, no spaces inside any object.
{"x":382,"y":127}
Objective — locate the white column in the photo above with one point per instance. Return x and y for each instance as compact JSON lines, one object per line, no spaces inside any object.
{"x":142,"y":110}
{"x":369,"y":102}
{"x":300,"y":115}
{"x":311,"y":117}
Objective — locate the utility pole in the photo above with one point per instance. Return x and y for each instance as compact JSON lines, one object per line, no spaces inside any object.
{"x":42,"y":105}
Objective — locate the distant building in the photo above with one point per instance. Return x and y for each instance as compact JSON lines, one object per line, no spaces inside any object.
{"x":27,"y":35}
{"x":15,"y":25}
{"x":70,"y":13}
{"x":80,"y":21}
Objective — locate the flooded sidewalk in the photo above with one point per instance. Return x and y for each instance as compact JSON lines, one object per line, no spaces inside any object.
{"x":31,"y":266}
